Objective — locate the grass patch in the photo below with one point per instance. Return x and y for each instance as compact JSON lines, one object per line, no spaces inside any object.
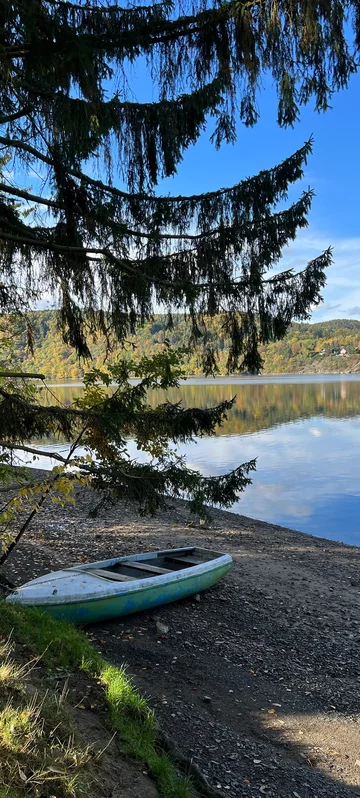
{"x":38,"y":752}
{"x":60,"y":644}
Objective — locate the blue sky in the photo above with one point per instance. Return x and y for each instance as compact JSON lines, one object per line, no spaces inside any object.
{"x":333,"y":172}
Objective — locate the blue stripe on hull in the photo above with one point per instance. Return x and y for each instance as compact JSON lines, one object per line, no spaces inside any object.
{"x":92,"y":611}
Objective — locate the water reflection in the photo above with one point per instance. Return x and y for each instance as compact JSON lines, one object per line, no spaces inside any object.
{"x":258,"y":405}
{"x":306,"y":437}
{"x":307,"y":474}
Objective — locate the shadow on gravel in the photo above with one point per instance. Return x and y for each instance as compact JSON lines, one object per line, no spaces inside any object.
{"x":245,"y":731}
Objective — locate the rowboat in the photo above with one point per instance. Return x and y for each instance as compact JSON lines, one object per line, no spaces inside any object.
{"x":110,"y":588}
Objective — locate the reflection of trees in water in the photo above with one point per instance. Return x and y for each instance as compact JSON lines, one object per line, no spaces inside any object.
{"x":65,"y":394}
{"x":261,"y":406}
{"x":258,"y":405}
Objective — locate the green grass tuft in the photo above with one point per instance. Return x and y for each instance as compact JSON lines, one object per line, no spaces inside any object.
{"x":62,"y":645}
{"x":39,"y":756}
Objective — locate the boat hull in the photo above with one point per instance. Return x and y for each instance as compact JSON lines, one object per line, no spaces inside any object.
{"x":143,"y":595}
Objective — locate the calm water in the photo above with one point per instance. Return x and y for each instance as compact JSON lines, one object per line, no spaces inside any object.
{"x":305,"y":434}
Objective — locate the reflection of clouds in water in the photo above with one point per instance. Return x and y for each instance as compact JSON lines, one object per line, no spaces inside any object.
{"x":263,"y":498}
{"x":299,"y":468}
{"x":272,"y":501}
{"x":303,"y":469}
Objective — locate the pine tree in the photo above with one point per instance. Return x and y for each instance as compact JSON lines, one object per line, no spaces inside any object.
{"x":80,"y":216}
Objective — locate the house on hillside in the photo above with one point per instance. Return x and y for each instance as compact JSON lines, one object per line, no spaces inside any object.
{"x":336,"y":349}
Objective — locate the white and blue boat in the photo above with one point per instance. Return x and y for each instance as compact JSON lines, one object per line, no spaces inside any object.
{"x":96,"y":591}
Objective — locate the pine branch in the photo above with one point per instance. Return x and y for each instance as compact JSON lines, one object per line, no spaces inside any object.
{"x":155,"y":29}
{"x":30,"y":450}
{"x":225,"y":231}
{"x":16,"y":192}
{"x":109,"y":9}
{"x":6,"y":118}
{"x":288,"y":171}
{"x":289,"y":274}
{"x":138,"y":270}
{"x":140,"y":131}
{"x":22,"y":374}
{"x":10,"y":143}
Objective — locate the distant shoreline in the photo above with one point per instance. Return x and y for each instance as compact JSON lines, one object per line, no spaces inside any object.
{"x":326,"y":347}
{"x":68,"y":382}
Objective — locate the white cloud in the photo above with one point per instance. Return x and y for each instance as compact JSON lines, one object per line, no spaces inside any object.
{"x":315,"y":432}
{"x":342,"y":292}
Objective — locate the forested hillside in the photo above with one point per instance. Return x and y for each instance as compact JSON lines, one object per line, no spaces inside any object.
{"x":332,"y":346}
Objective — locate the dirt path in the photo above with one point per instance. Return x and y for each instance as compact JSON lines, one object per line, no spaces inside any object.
{"x":258,"y":682}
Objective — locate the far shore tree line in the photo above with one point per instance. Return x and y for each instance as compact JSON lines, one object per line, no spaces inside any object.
{"x":331,"y":346}
{"x":81,"y":219}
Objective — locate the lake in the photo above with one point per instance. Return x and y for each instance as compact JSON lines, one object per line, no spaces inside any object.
{"x":304,"y":432}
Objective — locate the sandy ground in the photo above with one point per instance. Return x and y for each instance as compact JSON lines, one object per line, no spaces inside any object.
{"x":258,"y":681}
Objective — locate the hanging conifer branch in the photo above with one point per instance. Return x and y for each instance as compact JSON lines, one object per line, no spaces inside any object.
{"x":239,"y":238}
{"x":81,"y":220}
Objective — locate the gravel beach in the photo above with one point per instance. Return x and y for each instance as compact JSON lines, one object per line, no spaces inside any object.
{"x":257,"y":680}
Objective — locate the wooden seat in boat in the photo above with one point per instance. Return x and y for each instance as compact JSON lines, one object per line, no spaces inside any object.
{"x":185,"y":560}
{"x":143,"y":566}
{"x":110,"y":575}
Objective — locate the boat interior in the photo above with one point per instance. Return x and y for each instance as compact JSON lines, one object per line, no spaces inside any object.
{"x":161,"y":563}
